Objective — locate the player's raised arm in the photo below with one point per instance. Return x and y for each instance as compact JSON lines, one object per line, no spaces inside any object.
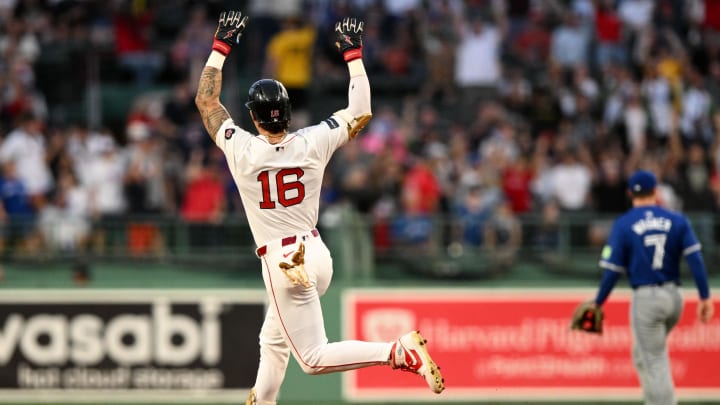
{"x":230,"y":27}
{"x":357,"y":114}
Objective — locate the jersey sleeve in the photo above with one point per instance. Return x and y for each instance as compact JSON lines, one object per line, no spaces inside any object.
{"x":690,"y":243}
{"x":231,"y":139}
{"x":329,"y":135}
{"x":613,"y":256}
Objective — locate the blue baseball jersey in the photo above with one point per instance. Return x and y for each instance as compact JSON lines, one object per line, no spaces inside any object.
{"x":647,"y":243}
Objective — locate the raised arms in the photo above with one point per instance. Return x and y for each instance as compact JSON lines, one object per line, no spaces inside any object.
{"x":207,"y":100}
{"x":230,"y":27}
{"x":348,"y":40}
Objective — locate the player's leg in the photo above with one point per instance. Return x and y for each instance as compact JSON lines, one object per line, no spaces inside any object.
{"x":301,"y":320}
{"x":640,"y":366}
{"x":649,"y":310}
{"x":274,"y":356}
{"x":300,"y":317}
{"x":677,"y":307}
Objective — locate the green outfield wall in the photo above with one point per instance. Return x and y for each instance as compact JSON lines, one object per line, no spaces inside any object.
{"x":299,"y":388}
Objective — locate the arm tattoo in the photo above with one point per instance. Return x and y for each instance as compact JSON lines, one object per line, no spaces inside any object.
{"x":207,"y":99}
{"x":214,"y":118}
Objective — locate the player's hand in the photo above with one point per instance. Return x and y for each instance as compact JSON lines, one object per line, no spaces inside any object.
{"x":230,"y":27}
{"x":705,"y":310}
{"x":588,"y":317}
{"x":348,"y":38}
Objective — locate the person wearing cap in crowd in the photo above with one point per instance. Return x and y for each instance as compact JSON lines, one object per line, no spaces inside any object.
{"x":646,"y":243}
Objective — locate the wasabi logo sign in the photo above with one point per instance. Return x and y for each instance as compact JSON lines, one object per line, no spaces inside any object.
{"x":115,"y":340}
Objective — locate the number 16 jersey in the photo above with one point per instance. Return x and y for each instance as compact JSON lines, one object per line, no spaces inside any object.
{"x":280,"y":184}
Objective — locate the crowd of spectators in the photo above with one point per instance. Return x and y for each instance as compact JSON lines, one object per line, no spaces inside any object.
{"x":486,"y":111}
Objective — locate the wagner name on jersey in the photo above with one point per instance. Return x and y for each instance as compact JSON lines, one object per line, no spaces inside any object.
{"x":657,"y":236}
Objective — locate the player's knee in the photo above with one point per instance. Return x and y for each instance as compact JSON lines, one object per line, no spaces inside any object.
{"x":312,"y":369}
{"x":310,"y":364}
{"x":309,"y":370}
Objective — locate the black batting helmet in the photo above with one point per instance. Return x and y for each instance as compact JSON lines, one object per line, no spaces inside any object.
{"x":270,"y":105}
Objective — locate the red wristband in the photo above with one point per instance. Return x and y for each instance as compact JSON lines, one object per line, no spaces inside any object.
{"x":352,"y":54}
{"x":221,"y":47}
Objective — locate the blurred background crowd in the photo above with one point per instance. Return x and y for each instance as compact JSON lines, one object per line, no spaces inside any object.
{"x":486,"y":112}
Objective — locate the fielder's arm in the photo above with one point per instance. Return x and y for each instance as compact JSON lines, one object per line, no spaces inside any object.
{"x":230,"y":27}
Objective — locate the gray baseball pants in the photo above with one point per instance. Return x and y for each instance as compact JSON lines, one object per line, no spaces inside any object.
{"x":653,"y":313}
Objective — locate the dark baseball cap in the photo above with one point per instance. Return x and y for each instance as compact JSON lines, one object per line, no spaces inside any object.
{"x":642,"y":181}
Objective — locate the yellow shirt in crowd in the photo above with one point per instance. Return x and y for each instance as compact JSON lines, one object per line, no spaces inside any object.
{"x":291,"y":52}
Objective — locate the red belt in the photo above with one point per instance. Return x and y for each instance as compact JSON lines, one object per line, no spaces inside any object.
{"x":262,"y":250}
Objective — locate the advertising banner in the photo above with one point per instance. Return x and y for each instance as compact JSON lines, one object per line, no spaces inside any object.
{"x":100,"y":345}
{"x":517,"y":345}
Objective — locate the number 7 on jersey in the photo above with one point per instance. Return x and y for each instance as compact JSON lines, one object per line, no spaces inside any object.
{"x":657,"y":241}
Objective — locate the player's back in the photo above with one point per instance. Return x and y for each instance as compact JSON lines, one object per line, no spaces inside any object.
{"x":280,"y":184}
{"x":654,"y":241}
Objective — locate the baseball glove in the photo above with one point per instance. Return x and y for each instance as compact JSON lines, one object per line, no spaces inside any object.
{"x":588,"y":318}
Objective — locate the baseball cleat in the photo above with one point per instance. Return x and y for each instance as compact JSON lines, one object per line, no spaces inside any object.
{"x":409,"y":353}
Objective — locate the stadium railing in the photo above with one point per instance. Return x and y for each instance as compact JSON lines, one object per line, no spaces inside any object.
{"x":363,"y":248}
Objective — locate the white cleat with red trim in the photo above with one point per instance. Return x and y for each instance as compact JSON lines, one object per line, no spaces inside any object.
{"x":409,"y":353}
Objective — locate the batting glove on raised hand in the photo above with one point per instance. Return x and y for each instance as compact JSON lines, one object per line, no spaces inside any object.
{"x":348,"y":33}
{"x":230,"y":27}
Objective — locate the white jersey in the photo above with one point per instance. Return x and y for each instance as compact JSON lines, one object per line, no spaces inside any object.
{"x":280,"y":184}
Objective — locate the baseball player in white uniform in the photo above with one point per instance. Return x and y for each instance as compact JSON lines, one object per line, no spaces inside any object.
{"x":279,"y":175}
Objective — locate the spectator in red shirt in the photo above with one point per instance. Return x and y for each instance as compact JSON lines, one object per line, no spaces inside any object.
{"x":203,"y":205}
{"x":420,"y":196}
{"x":420,"y":190}
{"x":132,"y":26}
{"x":204,"y":199}
{"x":608,"y":34}
{"x":532,"y":45}
{"x":712,"y":15}
{"x":516,"y":180}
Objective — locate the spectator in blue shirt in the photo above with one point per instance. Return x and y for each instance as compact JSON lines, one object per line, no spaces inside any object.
{"x":16,"y":211}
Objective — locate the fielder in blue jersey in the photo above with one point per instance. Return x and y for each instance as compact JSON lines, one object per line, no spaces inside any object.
{"x":646,"y":243}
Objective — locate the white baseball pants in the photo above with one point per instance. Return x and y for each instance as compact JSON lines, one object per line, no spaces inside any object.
{"x":294,"y":322}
